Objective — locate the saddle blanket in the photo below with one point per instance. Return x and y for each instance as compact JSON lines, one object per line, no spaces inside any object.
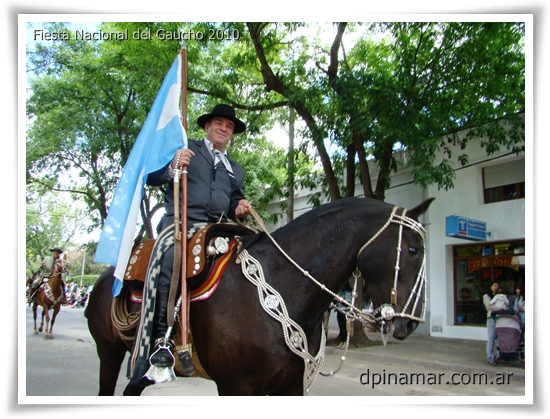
{"x":209,"y":286}
{"x":137,"y":268}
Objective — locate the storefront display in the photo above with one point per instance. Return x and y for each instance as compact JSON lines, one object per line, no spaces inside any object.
{"x":476,"y":267}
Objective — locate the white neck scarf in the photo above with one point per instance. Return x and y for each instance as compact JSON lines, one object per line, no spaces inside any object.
{"x":219,"y":156}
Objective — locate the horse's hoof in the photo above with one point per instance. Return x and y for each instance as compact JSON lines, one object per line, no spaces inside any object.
{"x":39,"y":330}
{"x":35,"y":332}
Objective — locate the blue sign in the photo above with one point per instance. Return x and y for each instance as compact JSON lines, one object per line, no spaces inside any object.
{"x":465,"y":228}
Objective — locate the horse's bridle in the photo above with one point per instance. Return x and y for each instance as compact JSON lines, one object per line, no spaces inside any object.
{"x":387,"y":311}
{"x":57,"y":263}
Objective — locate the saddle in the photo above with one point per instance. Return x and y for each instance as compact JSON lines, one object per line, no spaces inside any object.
{"x":203,"y":251}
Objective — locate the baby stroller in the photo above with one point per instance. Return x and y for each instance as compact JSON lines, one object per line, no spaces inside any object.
{"x":510,"y":337}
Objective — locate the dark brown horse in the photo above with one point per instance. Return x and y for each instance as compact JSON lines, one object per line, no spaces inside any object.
{"x":245,"y":341}
{"x":50,"y":296}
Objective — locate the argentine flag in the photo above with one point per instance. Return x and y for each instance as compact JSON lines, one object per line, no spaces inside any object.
{"x":160,"y":137}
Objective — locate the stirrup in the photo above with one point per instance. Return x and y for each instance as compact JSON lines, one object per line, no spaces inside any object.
{"x":162,"y":373}
{"x":185,"y":358}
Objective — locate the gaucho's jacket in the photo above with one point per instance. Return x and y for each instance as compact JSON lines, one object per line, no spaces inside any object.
{"x":211,"y":190}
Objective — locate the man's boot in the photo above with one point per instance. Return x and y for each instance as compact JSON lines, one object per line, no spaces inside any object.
{"x":161,"y":359}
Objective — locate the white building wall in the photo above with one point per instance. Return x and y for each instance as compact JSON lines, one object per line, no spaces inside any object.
{"x":505,"y":220}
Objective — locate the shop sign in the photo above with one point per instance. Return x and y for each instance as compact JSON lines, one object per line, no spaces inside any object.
{"x":511,"y":262}
{"x":465,"y":228}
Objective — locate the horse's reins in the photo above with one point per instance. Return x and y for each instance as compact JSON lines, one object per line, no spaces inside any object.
{"x":304,"y":272}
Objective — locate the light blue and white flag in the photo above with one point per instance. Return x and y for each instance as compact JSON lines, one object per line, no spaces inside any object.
{"x":160,"y":137}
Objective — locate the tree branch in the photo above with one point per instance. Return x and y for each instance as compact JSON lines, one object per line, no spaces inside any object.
{"x":274,"y":83}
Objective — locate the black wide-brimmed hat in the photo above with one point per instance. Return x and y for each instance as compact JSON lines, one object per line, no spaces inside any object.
{"x":223,"y":111}
{"x":56,"y":249}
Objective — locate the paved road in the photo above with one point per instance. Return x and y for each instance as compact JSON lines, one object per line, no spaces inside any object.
{"x":68,"y":366}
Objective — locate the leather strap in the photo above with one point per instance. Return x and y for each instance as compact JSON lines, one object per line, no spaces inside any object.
{"x":174,"y":283}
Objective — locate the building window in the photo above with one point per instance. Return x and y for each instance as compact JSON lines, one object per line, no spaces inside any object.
{"x":503,"y":182}
{"x":505,"y":192}
{"x":478,"y":266}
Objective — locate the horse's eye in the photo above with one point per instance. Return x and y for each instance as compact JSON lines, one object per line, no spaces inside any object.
{"x":413,"y":251}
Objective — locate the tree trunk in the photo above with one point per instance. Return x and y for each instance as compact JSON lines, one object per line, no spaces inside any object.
{"x":290,"y":201}
{"x":274,"y":83}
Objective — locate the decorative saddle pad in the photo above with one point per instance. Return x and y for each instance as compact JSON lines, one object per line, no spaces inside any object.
{"x":208,"y":253}
{"x":139,"y":260}
{"x":208,"y":287}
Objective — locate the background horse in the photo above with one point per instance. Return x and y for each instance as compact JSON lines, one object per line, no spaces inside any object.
{"x":30,"y":280}
{"x":242,"y":348}
{"x":50,"y":296}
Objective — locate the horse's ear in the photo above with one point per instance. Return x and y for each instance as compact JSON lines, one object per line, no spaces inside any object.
{"x":420,"y":209}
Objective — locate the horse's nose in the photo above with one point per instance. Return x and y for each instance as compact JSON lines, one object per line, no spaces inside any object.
{"x":404,"y":327}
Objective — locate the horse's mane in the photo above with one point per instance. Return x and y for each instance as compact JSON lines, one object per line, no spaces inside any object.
{"x":323,"y":211}
{"x":327,"y":211}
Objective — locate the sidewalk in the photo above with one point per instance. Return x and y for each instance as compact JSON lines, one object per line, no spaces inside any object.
{"x":417,"y":352}
{"x":442,"y":354}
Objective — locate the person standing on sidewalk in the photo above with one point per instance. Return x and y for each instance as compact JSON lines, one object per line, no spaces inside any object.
{"x":519,"y":303}
{"x":491,"y":323}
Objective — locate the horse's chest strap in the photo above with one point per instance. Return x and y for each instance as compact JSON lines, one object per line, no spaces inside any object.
{"x":273,"y":304}
{"x":49,"y":294}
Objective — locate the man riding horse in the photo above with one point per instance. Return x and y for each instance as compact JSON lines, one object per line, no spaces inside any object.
{"x":215,"y":190}
{"x":46,"y":270}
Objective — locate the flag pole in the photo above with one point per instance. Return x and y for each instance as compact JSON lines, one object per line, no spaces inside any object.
{"x":184,"y":85}
{"x":184,"y":352}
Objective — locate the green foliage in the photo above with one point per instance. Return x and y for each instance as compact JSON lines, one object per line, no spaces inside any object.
{"x":421,"y":84}
{"x":265,"y":172}
{"x":87,"y":280}
{"x":88,"y":109}
{"x":360,"y":92}
{"x":456,"y":77}
{"x":52,"y":220}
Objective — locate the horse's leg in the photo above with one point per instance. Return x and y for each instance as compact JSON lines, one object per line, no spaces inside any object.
{"x":243,"y":388}
{"x":236,"y":388}
{"x":137,"y":390}
{"x":110,"y":347}
{"x":41,"y":327}
{"x":326,"y":318}
{"x":55,"y":311}
{"x":290,"y":391}
{"x":34,"y":310}
{"x":110,"y":361}
{"x":47,"y":326}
